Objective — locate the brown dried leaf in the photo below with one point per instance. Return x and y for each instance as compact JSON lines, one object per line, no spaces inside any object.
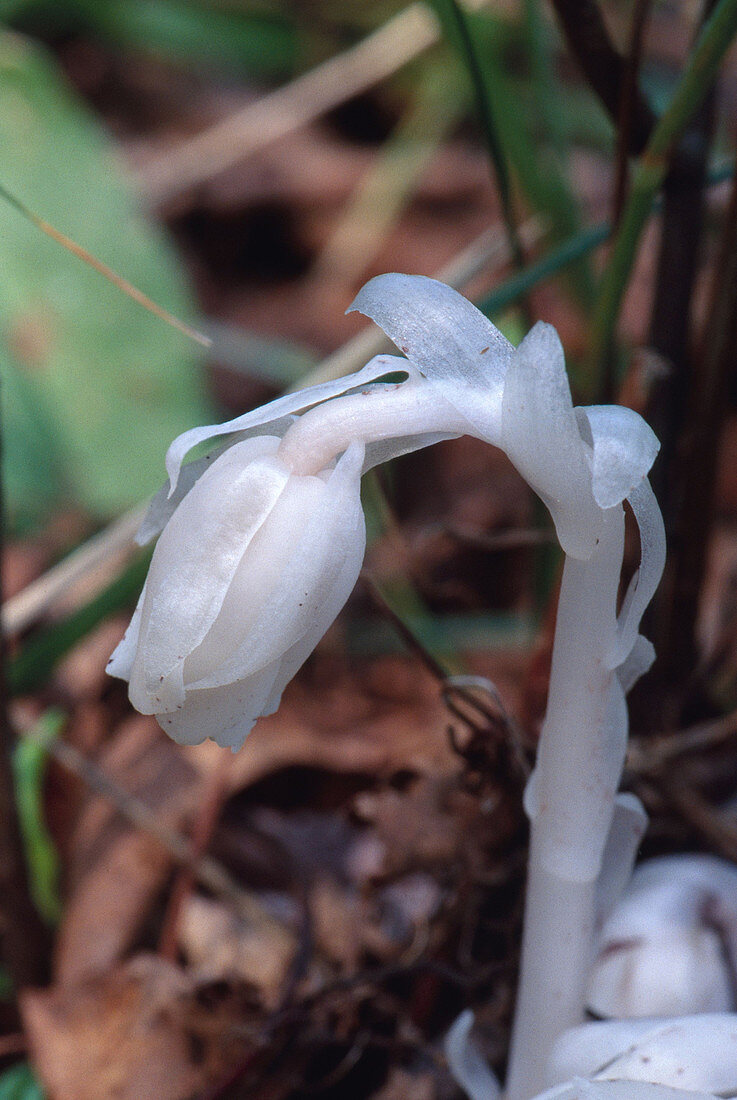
{"x":339,"y":918}
{"x":218,"y":945}
{"x":424,"y":825}
{"x":401,"y":1085}
{"x":387,"y":717}
{"x":114,"y":870}
{"x":141,"y":1031}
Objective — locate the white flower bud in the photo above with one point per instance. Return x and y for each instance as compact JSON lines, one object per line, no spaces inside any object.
{"x":668,"y":946}
{"x":250,"y":570}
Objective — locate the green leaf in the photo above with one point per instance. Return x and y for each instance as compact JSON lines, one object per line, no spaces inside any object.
{"x":199,"y":33}
{"x":29,"y":768}
{"x":104,"y":384}
{"x":19,"y":1083}
{"x":33,"y":475}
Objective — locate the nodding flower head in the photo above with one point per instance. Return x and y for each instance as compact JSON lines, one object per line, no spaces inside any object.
{"x":261,"y":541}
{"x":248,"y":573}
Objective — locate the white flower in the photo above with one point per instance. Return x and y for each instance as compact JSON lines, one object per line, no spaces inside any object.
{"x":253,"y":563}
{"x":261,"y":542}
{"x":248,"y":573}
{"x":695,"y":1053}
{"x":668,"y":946}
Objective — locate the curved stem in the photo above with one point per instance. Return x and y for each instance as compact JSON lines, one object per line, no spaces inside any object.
{"x":410,"y":408}
{"x":570,"y":803}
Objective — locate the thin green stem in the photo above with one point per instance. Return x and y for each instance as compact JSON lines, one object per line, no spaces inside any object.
{"x":559,"y":258}
{"x":652,"y":168}
{"x":456,"y":22}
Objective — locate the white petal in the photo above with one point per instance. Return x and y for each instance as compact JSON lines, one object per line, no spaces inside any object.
{"x":580,"y":1089}
{"x":193,"y":565}
{"x":638,"y":661}
{"x":166,"y":501}
{"x":225,"y":714}
{"x":276,"y":410}
{"x":344,"y":584}
{"x":691,"y":1052}
{"x":383,"y":450}
{"x":452,"y":342}
{"x":318,"y":553}
{"x":266,"y":568}
{"x":625,"y":833}
{"x":541,"y":437}
{"x":646,"y":580}
{"x":675,"y":973}
{"x":466,"y":1065}
{"x":661,"y":950}
{"x":123,"y":656}
{"x":625,"y":447}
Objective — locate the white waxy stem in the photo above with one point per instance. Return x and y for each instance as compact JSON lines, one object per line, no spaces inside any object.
{"x":379,"y":413}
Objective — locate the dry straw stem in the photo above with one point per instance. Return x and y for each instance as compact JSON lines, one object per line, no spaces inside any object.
{"x":101,"y":268}
{"x":373,"y":59}
{"x":41,"y":596}
{"x":387,"y":186}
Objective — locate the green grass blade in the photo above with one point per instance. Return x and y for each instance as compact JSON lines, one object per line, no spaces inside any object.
{"x":652,"y":167}
{"x":29,"y":767}
{"x":460,"y":33}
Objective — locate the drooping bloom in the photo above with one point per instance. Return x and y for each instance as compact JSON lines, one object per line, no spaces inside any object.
{"x":261,"y":541}
{"x":259,"y":546}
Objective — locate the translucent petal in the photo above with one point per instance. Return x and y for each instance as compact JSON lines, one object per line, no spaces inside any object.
{"x":276,"y":410}
{"x":193,"y":565}
{"x":344,"y":584}
{"x":466,"y":1065}
{"x":383,"y":450}
{"x":318,"y":553}
{"x":690,"y":1052}
{"x":620,"y":851}
{"x":638,"y":661}
{"x":266,"y":569}
{"x":662,"y":948}
{"x":452,"y":342}
{"x":225,"y":714}
{"x":646,"y":580}
{"x":580,"y":1089}
{"x":540,"y":435}
{"x":624,"y":447}
{"x":123,"y":656}
{"x":165,"y":502}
